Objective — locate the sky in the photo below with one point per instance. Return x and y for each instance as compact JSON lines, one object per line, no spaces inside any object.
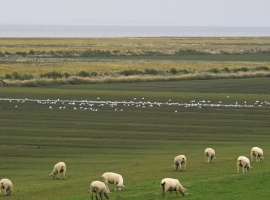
{"x":239,"y":13}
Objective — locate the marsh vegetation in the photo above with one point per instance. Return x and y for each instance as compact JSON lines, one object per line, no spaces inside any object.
{"x":50,"y":61}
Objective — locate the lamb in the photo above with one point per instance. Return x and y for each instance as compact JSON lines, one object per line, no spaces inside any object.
{"x":244,"y":163}
{"x":170,"y":184}
{"x":113,"y":178}
{"x":99,"y":188}
{"x":6,"y":185}
{"x":209,"y":154}
{"x":59,"y":168}
{"x":257,"y":152}
{"x":179,"y":160}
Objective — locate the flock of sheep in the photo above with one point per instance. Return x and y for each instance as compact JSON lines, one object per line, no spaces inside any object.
{"x":167,"y":184}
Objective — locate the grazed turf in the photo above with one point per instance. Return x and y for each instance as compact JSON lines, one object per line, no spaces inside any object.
{"x":140,"y":143}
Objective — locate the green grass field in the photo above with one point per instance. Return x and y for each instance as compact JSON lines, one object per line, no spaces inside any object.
{"x":139,"y":143}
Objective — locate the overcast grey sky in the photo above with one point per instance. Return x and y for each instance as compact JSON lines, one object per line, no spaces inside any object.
{"x":137,"y":12}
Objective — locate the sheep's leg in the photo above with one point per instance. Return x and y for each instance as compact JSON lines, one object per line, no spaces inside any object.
{"x":180,"y":166}
{"x":58,"y":175}
{"x":106,"y":195}
{"x":185,"y":166}
{"x":64,"y":174}
{"x":100,"y":194}
{"x":176,"y":167}
{"x":237,"y":168}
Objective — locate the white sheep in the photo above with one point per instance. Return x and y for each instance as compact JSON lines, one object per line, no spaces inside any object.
{"x":6,"y":185}
{"x":170,"y":184}
{"x":99,"y":188}
{"x":258,"y":153}
{"x":243,"y":162}
{"x":209,"y":154}
{"x":179,"y":160}
{"x":113,"y":178}
{"x":59,"y":168}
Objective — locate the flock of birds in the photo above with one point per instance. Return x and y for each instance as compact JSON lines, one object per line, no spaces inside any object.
{"x":94,"y":105}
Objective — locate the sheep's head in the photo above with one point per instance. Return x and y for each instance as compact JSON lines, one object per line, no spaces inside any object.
{"x":53,"y":174}
{"x":248,"y":168}
{"x":119,"y":187}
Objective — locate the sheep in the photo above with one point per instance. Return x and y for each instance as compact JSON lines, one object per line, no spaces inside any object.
{"x":170,"y":184}
{"x":99,"y":188}
{"x":257,"y":152}
{"x":244,"y":163}
{"x":209,"y":154}
{"x":59,"y":168}
{"x":113,"y":178}
{"x":179,"y":160}
{"x":6,"y":185}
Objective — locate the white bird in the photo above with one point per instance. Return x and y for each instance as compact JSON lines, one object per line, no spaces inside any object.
{"x":50,"y":107}
{"x":175,"y":111}
{"x":228,"y":96}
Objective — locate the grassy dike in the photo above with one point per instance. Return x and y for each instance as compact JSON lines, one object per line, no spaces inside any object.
{"x":140,"y":143}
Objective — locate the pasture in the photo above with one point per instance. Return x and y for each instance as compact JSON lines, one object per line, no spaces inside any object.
{"x":139,"y":140}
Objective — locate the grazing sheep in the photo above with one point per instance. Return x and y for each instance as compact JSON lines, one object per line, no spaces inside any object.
{"x":113,"y":178}
{"x":179,"y":160}
{"x":209,"y":154}
{"x":99,"y":188}
{"x":170,"y":184}
{"x":257,"y":152}
{"x":59,"y":168}
{"x":6,"y":185}
{"x":243,"y":162}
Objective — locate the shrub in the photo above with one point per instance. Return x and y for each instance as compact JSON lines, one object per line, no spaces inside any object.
{"x":93,"y":74}
{"x":213,"y":70}
{"x":83,"y":74}
{"x":16,"y":76}
{"x":242,"y":69}
{"x":226,"y":69}
{"x":151,"y":71}
{"x":21,"y":53}
{"x":173,"y":71}
{"x":8,"y":76}
{"x":1,"y":54}
{"x":262,"y":68}
{"x":184,"y":71}
{"x":130,"y":72}
{"x":66,"y":75}
{"x":31,"y":52}
{"x":53,"y":75}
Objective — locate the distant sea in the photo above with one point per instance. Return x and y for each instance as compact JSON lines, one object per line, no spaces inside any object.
{"x":128,"y":31}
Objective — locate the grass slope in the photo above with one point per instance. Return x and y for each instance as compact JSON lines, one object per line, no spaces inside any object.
{"x":138,"y":143}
